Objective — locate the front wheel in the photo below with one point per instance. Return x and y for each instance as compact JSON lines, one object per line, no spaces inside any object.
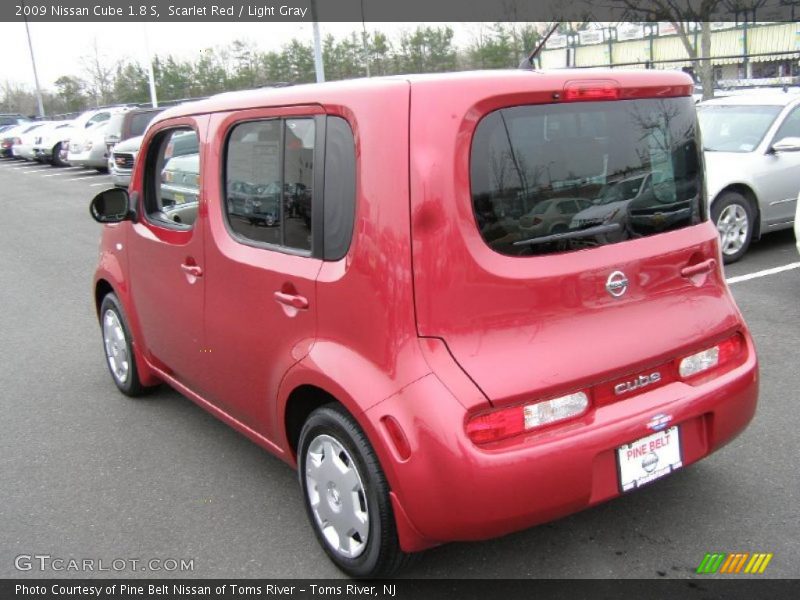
{"x":346,"y":495}
{"x":118,"y":347}
{"x":732,"y":213}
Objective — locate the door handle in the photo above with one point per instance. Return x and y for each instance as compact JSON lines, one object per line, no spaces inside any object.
{"x":193,"y":270}
{"x":293,"y":300}
{"x":703,"y":267}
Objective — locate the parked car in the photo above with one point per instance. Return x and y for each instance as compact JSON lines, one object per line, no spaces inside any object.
{"x":24,"y":148}
{"x":12,"y":119}
{"x":77,"y":129}
{"x":552,"y":216}
{"x":128,"y":124}
{"x":752,"y":156}
{"x":797,"y":224}
{"x":122,"y":159}
{"x":47,"y":142}
{"x":13,"y":136}
{"x":255,"y":203}
{"x":89,"y":149}
{"x":180,"y":180}
{"x":434,"y":372}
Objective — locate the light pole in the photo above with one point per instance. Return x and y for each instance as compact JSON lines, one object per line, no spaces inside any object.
{"x":364,"y":38}
{"x":318,"y":65}
{"x":151,"y":77}
{"x":33,"y":62}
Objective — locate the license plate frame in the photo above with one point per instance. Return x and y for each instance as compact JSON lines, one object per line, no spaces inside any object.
{"x":649,"y":458}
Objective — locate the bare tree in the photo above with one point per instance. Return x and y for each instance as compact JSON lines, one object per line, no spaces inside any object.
{"x":100,"y":75}
{"x":688,"y":16}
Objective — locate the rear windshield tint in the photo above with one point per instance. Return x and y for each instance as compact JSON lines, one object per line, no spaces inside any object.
{"x":556,"y":178}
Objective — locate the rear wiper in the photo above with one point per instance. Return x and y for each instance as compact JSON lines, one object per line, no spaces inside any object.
{"x":570,"y":235}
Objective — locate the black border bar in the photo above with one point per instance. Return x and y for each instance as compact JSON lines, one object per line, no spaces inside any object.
{"x":701,"y":588}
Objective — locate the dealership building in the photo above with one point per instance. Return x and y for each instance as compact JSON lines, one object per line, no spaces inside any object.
{"x":743,"y":54}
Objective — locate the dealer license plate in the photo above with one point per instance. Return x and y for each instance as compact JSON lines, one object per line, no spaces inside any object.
{"x":649,"y":458}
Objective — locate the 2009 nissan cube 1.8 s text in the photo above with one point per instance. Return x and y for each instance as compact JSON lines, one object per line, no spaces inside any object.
{"x":383,"y":283}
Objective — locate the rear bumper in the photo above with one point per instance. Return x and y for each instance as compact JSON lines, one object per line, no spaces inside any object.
{"x":449,"y":489}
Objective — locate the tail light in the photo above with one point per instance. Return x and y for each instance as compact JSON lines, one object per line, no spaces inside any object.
{"x":724,"y":355}
{"x":507,"y":422}
{"x":591,"y":89}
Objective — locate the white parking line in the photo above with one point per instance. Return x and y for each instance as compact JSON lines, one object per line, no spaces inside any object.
{"x":38,"y":170}
{"x":98,"y":184}
{"x":85,"y":177}
{"x":763,"y":273}
{"x":60,"y":173}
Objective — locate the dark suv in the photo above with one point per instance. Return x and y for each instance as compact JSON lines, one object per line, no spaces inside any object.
{"x":128,"y":124}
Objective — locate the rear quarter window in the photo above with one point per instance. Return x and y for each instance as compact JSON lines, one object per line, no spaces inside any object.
{"x":562,"y":177}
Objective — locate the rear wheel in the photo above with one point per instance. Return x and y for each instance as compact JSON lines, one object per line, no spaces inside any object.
{"x":733,"y":215}
{"x":118,"y":347}
{"x":346,"y":495}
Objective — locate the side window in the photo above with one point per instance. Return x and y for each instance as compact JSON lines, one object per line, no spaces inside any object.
{"x":790,"y":126}
{"x":340,"y":188}
{"x":269,"y":174}
{"x":98,"y":118}
{"x":173,"y":178}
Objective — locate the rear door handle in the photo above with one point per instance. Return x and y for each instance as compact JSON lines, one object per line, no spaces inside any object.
{"x":194,"y":270}
{"x":293,"y":300}
{"x":703,"y":267}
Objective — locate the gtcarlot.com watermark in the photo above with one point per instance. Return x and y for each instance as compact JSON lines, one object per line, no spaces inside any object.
{"x":47,"y":563}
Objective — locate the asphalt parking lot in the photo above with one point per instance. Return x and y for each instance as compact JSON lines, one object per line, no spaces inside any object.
{"x":88,"y":473}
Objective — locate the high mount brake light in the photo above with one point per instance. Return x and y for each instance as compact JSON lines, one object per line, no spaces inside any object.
{"x":591,"y":89}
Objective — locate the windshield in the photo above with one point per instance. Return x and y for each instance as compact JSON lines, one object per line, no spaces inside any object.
{"x":728,"y":128}
{"x":618,"y":170}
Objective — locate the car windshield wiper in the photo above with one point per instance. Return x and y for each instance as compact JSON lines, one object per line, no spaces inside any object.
{"x":571,"y":235}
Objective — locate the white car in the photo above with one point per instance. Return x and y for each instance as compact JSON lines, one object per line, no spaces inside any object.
{"x":610,"y":205}
{"x":797,"y":224}
{"x":752,"y":158}
{"x":84,"y":121}
{"x":12,"y":136}
{"x":48,"y":140}
{"x":550,"y":217}
{"x":89,"y":149}
{"x":24,"y":147}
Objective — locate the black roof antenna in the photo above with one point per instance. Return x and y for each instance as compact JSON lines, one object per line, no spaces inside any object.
{"x":527,"y":62}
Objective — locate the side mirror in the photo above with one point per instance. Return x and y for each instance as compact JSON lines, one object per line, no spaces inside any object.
{"x":787,"y":144}
{"x":111,"y":206}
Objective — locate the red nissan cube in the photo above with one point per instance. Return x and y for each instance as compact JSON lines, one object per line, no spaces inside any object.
{"x":460,"y":305}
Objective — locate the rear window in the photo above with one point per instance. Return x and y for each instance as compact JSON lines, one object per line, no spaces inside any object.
{"x":139,"y":122}
{"x":556,"y":178}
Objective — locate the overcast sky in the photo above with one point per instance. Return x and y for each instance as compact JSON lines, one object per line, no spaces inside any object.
{"x":59,"y":47}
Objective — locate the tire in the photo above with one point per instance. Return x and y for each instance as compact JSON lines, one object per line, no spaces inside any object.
{"x":733,"y":215}
{"x":118,"y":348}
{"x":330,"y":431}
{"x":55,"y":160}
